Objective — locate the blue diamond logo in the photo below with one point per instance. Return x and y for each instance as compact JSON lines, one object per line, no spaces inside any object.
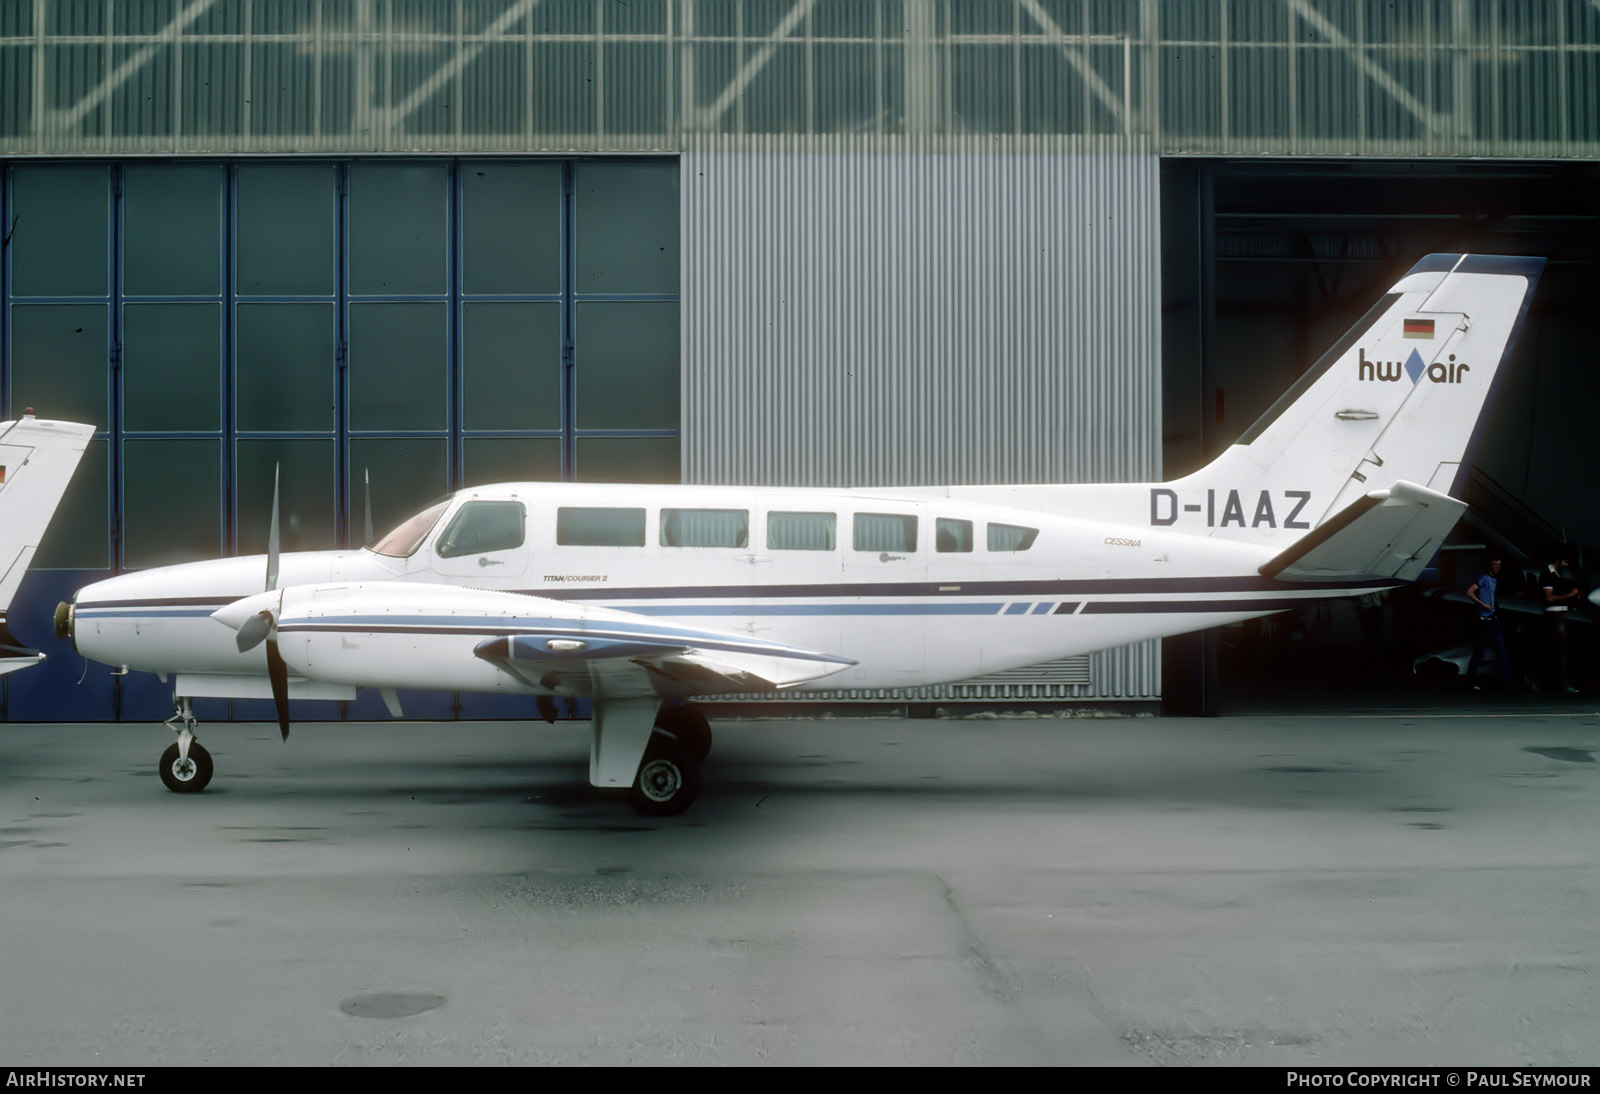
{"x":1414,"y":366}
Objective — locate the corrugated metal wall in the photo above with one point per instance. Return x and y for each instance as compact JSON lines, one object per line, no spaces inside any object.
{"x":1227,"y":77}
{"x":891,"y":319}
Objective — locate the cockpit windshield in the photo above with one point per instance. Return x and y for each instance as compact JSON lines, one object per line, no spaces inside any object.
{"x":409,"y":534}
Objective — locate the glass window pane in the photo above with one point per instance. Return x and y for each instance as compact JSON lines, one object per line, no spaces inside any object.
{"x":599,"y":527}
{"x":511,"y":365}
{"x":627,"y":227}
{"x":397,"y":366}
{"x":403,"y":540}
{"x":511,"y":227}
{"x":307,"y":478}
{"x":885,"y":532}
{"x":79,"y":536}
{"x":287,"y":372}
{"x":564,"y":90}
{"x":953,"y":535}
{"x":510,"y":459}
{"x":61,"y":361}
{"x":480,"y":527}
{"x":397,"y":226}
{"x":628,"y":459}
{"x":171,"y":501}
{"x":626,"y":358}
{"x":60,"y":231}
{"x":172,"y":366}
{"x":634,"y":75}
{"x":800,"y":531}
{"x":407,"y":475}
{"x":171,"y":229}
{"x":705,"y":528}
{"x":1011,"y":537}
{"x":285,"y":229}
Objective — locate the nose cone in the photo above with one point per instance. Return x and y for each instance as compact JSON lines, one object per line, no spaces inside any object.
{"x":64,"y":621}
{"x":240,"y":612}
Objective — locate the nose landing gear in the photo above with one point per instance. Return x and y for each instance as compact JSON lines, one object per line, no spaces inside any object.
{"x":185,"y":766}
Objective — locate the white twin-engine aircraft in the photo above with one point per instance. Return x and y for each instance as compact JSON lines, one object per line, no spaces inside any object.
{"x":37,"y":459}
{"x":640,"y":597}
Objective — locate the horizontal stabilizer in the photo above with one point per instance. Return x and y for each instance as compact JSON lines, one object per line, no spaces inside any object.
{"x":1387,"y":533}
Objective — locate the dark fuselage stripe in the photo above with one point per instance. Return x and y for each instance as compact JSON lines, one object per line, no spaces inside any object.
{"x":1198,"y":607}
{"x":1248,"y":583}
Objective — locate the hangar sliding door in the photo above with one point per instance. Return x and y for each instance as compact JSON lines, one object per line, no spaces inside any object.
{"x":424,"y":325}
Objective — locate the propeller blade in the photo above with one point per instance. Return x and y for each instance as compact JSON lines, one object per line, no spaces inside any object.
{"x":272,"y":536}
{"x":256,"y":628}
{"x":366,"y":475}
{"x":278,"y":673}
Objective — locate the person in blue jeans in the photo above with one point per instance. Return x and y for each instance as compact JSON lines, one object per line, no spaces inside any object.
{"x":1482,"y":593}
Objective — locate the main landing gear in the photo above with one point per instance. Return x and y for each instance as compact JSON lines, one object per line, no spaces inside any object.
{"x":669,"y":774}
{"x":185,"y":766}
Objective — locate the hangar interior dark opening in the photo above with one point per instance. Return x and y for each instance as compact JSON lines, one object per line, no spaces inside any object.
{"x":1264,"y":265}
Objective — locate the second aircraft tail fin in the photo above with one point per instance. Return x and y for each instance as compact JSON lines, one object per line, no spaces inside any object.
{"x":37,"y":459}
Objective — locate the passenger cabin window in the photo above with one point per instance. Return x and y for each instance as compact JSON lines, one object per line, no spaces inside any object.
{"x":952,"y":536}
{"x":705,"y":528}
{"x":405,"y":539}
{"x":885,"y":532}
{"x":1011,"y":537}
{"x":599,"y":527}
{"x":800,"y":531}
{"x":480,"y":527}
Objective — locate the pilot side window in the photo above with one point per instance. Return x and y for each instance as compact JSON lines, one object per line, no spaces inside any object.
{"x":1011,"y":537}
{"x":800,"y":531}
{"x":705,"y":528}
{"x":885,"y":532}
{"x":599,"y":527}
{"x":480,"y":527}
{"x":952,"y":536}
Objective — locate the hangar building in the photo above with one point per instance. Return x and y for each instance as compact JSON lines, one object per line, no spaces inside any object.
{"x":432,"y":243}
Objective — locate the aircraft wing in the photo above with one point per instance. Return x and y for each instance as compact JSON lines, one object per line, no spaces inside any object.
{"x":700,"y":664}
{"x":396,"y":634}
{"x":1389,"y":533}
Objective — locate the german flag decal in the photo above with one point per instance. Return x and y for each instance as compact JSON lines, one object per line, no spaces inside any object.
{"x":1419,"y":328}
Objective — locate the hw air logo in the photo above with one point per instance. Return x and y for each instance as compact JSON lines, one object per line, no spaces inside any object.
{"x":1439,"y":372}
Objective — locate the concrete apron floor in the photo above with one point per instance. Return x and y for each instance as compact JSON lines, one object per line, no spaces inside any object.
{"x":1414,"y":888}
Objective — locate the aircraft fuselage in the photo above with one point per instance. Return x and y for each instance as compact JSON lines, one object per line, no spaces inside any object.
{"x":914,"y":589}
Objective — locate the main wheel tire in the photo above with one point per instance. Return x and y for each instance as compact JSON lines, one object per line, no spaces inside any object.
{"x":690,"y":727}
{"x":185,"y":776}
{"x":667,"y":782}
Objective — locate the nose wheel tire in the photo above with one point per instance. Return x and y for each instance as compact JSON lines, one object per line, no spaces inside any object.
{"x":667,"y":782}
{"x":185,"y":776}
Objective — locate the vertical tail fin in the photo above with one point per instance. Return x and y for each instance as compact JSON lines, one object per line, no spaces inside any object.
{"x":1398,"y":398}
{"x":37,"y":459}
